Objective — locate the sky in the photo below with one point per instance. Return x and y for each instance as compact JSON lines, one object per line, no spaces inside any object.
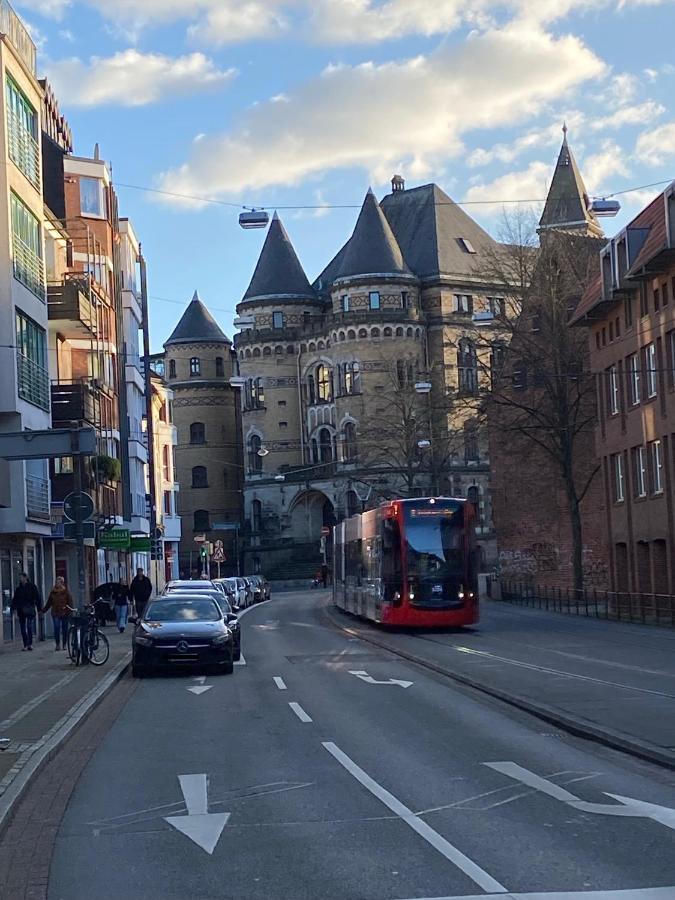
{"x":307,"y":103}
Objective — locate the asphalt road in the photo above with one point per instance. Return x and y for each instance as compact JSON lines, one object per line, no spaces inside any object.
{"x":313,"y":775}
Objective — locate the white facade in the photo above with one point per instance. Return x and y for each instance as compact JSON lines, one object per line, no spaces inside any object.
{"x":166,"y":486}
{"x":24,"y":375}
{"x":135,"y":387}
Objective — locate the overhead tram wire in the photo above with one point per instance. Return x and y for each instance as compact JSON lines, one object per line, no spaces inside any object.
{"x":317,"y":206}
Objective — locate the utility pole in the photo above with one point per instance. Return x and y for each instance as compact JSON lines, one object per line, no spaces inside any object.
{"x":79,"y":527}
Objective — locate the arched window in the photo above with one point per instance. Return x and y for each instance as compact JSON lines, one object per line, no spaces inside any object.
{"x":350,"y":452}
{"x":324,"y":384}
{"x":352,"y":378}
{"x":267,"y":351}
{"x":202,"y":520}
{"x":220,"y":367}
{"x":467,"y":367}
{"x":375,"y":332}
{"x":254,"y":459}
{"x":195,"y":366}
{"x":172,"y":368}
{"x":199,"y":477}
{"x":353,"y":503}
{"x":197,"y":433}
{"x":325,"y":446}
{"x":351,"y":335}
{"x":256,"y":516}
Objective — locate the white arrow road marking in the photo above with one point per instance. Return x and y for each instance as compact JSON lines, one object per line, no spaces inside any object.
{"x":470,"y":868}
{"x":200,"y":679}
{"x":280,"y":683}
{"x":364,"y":676}
{"x":241,"y":661}
{"x":201,"y":826}
{"x":630,"y":807}
{"x":659,"y":893}
{"x":200,"y":690}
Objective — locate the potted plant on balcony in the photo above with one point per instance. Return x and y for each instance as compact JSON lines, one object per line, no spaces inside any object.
{"x":106,"y":468}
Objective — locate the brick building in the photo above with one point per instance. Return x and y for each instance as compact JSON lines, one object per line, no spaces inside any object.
{"x":198,"y":365}
{"x":542,"y":393}
{"x":629,"y":313}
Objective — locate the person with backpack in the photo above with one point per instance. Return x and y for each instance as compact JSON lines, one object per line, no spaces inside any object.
{"x":26,"y":603}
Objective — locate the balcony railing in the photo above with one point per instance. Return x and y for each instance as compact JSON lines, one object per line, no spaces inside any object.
{"x":37,"y":498}
{"x":24,"y":150}
{"x":29,"y":268}
{"x":13,"y":27}
{"x":73,"y":401}
{"x":33,"y":381}
{"x":69,"y":304}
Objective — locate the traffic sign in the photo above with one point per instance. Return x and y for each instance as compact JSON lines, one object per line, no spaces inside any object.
{"x":199,"y":538}
{"x":88,"y":531}
{"x":218,"y":555}
{"x":78,"y":506}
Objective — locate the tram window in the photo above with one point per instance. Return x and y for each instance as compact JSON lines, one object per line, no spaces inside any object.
{"x":392,"y":570}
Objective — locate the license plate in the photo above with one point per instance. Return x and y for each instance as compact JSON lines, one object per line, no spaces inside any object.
{"x":437,"y":589}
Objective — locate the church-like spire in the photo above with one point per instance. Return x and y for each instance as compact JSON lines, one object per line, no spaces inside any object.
{"x":197,"y":325}
{"x":279,"y":273}
{"x":372,"y":248}
{"x":567,"y":205}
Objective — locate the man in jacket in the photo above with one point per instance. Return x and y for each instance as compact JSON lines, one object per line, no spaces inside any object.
{"x":26,"y":603}
{"x":60,"y":602}
{"x":140,"y":590}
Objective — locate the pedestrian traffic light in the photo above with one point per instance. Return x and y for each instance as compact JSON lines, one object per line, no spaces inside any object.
{"x":203,"y":551}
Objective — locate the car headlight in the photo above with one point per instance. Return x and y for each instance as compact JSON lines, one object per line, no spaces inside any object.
{"x":222,"y":639}
{"x":144,"y":640}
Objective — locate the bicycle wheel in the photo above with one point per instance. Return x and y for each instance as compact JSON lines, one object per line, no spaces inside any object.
{"x":73,"y":644}
{"x":98,"y":648}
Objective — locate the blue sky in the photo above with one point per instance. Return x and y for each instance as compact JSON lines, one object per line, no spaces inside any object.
{"x":305,"y":102}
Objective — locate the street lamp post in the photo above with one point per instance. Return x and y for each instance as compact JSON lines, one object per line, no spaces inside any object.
{"x":424,"y":388}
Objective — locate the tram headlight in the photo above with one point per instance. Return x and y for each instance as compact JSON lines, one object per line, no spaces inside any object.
{"x":461,"y":595}
{"x":411,"y":595}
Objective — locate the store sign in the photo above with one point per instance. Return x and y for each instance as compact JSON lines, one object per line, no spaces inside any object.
{"x":115,"y":539}
{"x":140,"y":543}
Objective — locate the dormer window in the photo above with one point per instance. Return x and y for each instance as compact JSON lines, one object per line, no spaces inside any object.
{"x":466,"y":245}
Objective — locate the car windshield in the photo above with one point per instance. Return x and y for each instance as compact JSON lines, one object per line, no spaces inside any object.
{"x":203,"y":610}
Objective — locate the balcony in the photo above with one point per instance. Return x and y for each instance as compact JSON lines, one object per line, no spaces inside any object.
{"x":13,"y":27}
{"x":29,"y":267}
{"x":37,"y":499}
{"x":69,"y":308}
{"x":33,"y":381}
{"x":73,"y":401}
{"x":24,"y":150}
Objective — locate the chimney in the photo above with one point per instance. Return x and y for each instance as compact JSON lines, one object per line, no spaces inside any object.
{"x":397,"y":184}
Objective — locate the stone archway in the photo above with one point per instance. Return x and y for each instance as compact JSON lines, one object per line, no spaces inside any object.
{"x":310,"y":512}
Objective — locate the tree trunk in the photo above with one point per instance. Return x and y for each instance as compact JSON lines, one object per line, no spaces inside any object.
{"x":576,"y":527}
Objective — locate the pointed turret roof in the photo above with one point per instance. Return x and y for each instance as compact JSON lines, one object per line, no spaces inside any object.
{"x":197,"y":325}
{"x":278,"y":273}
{"x":567,"y":205}
{"x":372,"y":248}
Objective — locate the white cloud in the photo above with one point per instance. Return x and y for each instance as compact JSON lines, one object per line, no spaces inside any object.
{"x":639,"y":114}
{"x":528,"y":185}
{"x":51,"y":9}
{"x":655,"y":146}
{"x":375,"y":116}
{"x":610,"y":160}
{"x":130,"y":78}
{"x":364,"y":21}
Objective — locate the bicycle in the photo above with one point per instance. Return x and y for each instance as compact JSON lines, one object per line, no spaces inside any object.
{"x":84,"y":642}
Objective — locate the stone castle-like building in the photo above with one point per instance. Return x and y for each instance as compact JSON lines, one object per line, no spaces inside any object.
{"x":407,"y":299}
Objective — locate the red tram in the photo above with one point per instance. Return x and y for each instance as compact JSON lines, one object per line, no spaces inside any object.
{"x":409,"y":562}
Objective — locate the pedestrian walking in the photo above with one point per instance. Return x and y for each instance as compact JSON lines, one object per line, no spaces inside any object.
{"x":26,"y":603}
{"x":60,"y":601}
{"x":140,"y":590}
{"x":121,"y":596}
{"x":102,"y":601}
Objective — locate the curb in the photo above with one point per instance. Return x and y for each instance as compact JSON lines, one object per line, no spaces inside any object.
{"x":30,"y":762}
{"x":577,"y":726}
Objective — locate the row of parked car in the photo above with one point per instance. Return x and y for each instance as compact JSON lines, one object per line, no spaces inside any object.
{"x":195,"y":623}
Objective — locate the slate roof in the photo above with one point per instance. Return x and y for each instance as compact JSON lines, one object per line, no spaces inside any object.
{"x":567,"y":204}
{"x":278,"y":272}
{"x":372,"y":248}
{"x":197,"y":325}
{"x":651,"y":220}
{"x":430,"y":227}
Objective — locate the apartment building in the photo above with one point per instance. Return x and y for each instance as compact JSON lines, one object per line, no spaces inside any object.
{"x":164,"y":566}
{"x":25,"y":527}
{"x":630,"y":312}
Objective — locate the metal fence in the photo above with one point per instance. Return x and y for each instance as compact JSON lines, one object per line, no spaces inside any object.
{"x":617,"y":606}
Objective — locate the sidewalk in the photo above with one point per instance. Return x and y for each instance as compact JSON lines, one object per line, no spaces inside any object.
{"x":42,"y":696}
{"x":611,"y":682}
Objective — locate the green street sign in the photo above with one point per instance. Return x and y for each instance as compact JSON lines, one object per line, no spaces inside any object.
{"x":115,"y":539}
{"x":140,"y":544}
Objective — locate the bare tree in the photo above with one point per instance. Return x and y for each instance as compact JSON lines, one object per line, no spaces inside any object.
{"x":541,"y":392}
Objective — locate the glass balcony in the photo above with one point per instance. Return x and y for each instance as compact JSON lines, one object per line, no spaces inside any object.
{"x":33,"y":381}
{"x":24,"y":150}
{"x":29,"y":268}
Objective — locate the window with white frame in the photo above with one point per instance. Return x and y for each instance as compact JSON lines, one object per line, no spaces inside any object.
{"x":617,"y":466}
{"x":277,"y":320}
{"x":28,"y":260}
{"x":345,"y":303}
{"x":23,"y":132}
{"x":613,"y":390}
{"x":496,"y":305}
{"x":650,"y":369}
{"x":634,"y":378}
{"x":656,"y":467}
{"x":374,"y":299}
{"x":640,"y":471}
{"x":462,"y":303}
{"x":92,"y":197}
